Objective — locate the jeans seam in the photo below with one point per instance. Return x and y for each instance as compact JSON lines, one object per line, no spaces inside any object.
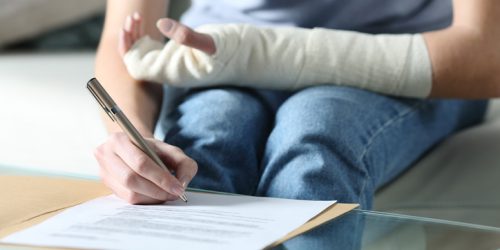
{"x":383,"y":128}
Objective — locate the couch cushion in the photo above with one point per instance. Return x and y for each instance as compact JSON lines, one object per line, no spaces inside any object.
{"x":24,"y":19}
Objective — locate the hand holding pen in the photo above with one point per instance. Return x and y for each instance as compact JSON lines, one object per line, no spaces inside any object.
{"x":134,"y":167}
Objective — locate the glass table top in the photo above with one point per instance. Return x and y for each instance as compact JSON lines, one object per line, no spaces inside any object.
{"x":371,"y":230}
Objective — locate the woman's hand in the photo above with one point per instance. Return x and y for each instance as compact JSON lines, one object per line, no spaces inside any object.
{"x":134,"y":177}
{"x":133,"y":31}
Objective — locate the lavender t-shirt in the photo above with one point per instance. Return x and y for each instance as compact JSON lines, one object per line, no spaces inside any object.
{"x":371,"y":16}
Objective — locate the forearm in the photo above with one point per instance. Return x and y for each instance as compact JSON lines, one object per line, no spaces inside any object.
{"x":139,"y":100}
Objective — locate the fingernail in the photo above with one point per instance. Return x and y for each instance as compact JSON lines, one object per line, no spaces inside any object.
{"x":185,"y":181}
{"x":136,"y":15}
{"x":178,"y":190}
{"x":165,"y":24}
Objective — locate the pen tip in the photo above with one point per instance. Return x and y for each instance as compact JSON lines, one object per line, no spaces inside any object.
{"x":183,"y":197}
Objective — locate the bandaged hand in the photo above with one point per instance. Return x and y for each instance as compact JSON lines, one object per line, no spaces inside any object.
{"x":279,"y":58}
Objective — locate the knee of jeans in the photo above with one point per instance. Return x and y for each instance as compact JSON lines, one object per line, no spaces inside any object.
{"x":223,"y":109}
{"x":222,"y":101}
{"x":327,"y":115}
{"x":226,"y":117}
{"x":319,"y":136}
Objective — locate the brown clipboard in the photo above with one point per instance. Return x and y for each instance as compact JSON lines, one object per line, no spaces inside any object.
{"x":29,"y":200}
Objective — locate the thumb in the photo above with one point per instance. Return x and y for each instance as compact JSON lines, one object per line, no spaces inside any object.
{"x":186,"y":36}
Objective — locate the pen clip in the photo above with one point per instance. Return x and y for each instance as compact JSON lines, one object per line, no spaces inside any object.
{"x":101,"y":102}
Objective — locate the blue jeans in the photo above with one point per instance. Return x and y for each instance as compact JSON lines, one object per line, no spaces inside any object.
{"x":322,"y":143}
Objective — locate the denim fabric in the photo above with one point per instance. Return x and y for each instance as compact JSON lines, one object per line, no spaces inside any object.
{"x":323,"y":142}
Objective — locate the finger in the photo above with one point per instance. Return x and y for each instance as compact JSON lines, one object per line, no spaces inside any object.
{"x":128,"y":24}
{"x":185,"y":167}
{"x":127,"y":195}
{"x":186,"y":36}
{"x":137,"y":20}
{"x":132,"y":196}
{"x":124,"y":42}
{"x":141,"y":164}
{"x":134,"y":29}
{"x":125,"y":37}
{"x":115,"y":173}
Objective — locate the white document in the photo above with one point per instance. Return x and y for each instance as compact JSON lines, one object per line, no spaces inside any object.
{"x":207,"y":221}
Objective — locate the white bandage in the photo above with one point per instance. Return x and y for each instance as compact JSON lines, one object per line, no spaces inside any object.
{"x":289,"y":58}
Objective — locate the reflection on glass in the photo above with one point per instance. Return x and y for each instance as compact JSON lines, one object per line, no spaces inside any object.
{"x":381,"y":231}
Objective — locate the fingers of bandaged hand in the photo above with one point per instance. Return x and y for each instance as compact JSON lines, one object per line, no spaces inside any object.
{"x":131,"y":32}
{"x":137,"y":29}
{"x":134,"y":177}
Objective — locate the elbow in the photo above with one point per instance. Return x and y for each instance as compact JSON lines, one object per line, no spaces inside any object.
{"x":492,"y":60}
{"x":489,"y":83}
{"x":492,"y":74}
{"x":496,"y":84}
{"x":495,"y":72}
{"x":484,"y":69}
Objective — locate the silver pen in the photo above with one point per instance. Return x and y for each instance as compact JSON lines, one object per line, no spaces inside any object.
{"x":115,"y":113}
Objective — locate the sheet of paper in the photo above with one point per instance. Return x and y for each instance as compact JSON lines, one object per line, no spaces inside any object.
{"x":207,"y":221}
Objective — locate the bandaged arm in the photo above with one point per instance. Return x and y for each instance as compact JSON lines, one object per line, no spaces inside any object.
{"x":289,"y":59}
